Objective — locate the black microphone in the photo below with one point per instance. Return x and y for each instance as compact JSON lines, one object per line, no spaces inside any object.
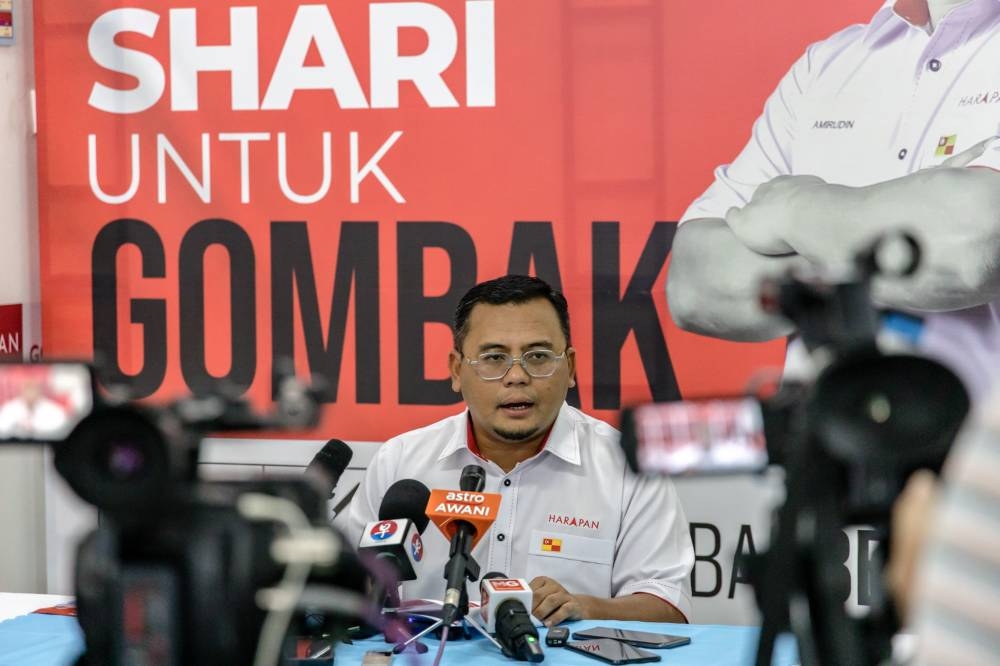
{"x":460,"y":562}
{"x":473,"y":479}
{"x":504,"y":609}
{"x":394,"y":539}
{"x":395,"y":536}
{"x":407,"y":498}
{"x":329,"y":464}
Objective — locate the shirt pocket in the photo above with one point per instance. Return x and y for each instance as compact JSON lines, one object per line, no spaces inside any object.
{"x":580,"y":564}
{"x":956,"y":130}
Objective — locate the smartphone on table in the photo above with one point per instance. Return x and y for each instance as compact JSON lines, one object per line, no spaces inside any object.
{"x":646,"y":639}
{"x":612,"y":652}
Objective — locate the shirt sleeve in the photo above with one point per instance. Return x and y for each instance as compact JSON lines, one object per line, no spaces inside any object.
{"x":653,"y":553}
{"x":767,"y":155}
{"x":365,"y":504}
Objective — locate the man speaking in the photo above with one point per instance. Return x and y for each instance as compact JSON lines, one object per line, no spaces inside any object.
{"x":594,"y":540}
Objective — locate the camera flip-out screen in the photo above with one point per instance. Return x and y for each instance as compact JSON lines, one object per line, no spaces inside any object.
{"x":705,"y":436}
{"x":43,"y":402}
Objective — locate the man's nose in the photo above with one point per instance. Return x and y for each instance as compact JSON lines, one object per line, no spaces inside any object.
{"x":516,"y":374}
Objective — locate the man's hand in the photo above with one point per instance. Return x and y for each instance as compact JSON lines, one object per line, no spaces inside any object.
{"x":552,"y":604}
{"x":910,"y":525}
{"x":963,"y":158}
{"x":763,"y":223}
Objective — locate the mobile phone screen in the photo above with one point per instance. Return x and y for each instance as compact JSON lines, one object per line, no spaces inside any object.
{"x":613,"y":652}
{"x":646,"y":639}
{"x":43,"y":402}
{"x":707,"y":436}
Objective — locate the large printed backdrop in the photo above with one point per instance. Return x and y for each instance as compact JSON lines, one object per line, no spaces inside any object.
{"x":225,"y":184}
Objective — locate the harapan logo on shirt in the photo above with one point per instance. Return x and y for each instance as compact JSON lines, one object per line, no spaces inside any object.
{"x":946,"y":145}
{"x":574,"y":521}
{"x":833,"y":124}
{"x":978,"y":98}
{"x":551,"y":545}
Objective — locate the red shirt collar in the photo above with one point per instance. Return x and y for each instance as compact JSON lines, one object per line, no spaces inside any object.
{"x":470,"y":439}
{"x":915,"y":12}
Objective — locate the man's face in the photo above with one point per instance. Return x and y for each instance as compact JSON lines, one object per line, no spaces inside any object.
{"x":518,"y":407}
{"x":31,"y":391}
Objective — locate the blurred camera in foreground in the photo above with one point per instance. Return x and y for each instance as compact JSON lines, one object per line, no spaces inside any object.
{"x":182,"y":571}
{"x":848,"y":440}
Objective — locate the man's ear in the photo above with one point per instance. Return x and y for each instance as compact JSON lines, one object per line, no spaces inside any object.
{"x":571,"y":365}
{"x":455,"y":368}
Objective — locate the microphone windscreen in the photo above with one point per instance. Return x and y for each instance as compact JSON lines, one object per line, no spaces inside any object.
{"x":332,"y":460}
{"x":407,"y":498}
{"x":473,"y":479}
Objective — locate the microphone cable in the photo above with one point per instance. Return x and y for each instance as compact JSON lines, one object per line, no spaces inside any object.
{"x":444,"y":640}
{"x":257,"y":506}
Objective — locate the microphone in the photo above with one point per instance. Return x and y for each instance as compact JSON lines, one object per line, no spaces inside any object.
{"x":473,"y":479}
{"x":395,"y":536}
{"x":325,"y":470}
{"x":463,"y":516}
{"x":329,"y":464}
{"x":504,"y":607}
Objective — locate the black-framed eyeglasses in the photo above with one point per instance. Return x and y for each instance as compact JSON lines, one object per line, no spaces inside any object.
{"x":538,"y":363}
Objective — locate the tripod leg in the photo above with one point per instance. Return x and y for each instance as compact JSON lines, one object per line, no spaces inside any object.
{"x":481,"y":629}
{"x":402,"y":646}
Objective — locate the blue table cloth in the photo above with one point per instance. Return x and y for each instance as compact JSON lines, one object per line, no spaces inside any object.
{"x":31,"y":640}
{"x":52,"y":640}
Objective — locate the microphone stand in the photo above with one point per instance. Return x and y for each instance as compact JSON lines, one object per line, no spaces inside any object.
{"x":467,"y":619}
{"x":472,"y":572}
{"x":461,"y":567}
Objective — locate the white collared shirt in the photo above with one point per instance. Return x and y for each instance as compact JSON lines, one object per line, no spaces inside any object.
{"x":610,"y":533}
{"x":876,"y":102}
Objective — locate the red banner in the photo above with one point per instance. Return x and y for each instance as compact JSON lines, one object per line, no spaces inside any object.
{"x":224,"y":185}
{"x":11,"y":332}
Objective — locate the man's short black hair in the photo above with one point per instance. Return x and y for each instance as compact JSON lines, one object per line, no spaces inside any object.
{"x":508,"y":289}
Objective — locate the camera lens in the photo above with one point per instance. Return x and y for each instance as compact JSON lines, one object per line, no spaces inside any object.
{"x":117,"y":459}
{"x":125,"y":460}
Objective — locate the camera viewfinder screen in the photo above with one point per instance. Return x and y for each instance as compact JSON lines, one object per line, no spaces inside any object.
{"x":724,"y":435}
{"x":43,"y":402}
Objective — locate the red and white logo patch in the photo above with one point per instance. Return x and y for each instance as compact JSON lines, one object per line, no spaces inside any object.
{"x":383,"y":530}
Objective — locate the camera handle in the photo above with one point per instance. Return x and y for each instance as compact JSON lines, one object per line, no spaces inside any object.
{"x":799,"y":582}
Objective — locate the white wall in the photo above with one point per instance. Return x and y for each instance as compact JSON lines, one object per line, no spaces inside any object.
{"x":22,"y":561}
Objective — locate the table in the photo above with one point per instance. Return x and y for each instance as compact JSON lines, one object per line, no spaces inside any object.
{"x":37,"y":640}
{"x":52,"y":640}
{"x":716,"y":644}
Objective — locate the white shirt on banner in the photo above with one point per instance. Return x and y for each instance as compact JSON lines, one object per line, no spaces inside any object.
{"x":876,"y":102}
{"x":574,"y":512}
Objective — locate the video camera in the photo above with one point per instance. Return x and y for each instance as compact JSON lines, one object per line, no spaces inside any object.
{"x":848,"y":441}
{"x":182,"y":571}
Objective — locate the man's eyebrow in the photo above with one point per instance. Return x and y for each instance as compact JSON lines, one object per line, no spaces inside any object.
{"x":492,"y":345}
{"x":486,"y":346}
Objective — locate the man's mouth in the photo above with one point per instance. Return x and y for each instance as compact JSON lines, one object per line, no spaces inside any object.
{"x":517,"y":406}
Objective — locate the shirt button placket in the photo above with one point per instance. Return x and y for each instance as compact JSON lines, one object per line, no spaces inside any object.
{"x":502,"y":542}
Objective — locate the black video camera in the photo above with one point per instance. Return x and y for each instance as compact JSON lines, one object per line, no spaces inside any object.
{"x":182,"y":571}
{"x":848,"y":440}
